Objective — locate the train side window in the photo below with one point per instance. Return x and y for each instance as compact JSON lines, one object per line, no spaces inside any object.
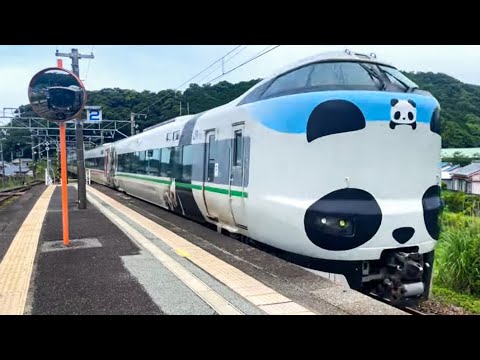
{"x":165,"y":162}
{"x":139,"y":163}
{"x":294,"y":80}
{"x":153,"y":160}
{"x":176,"y":162}
{"x":256,"y":94}
{"x":121,"y":162}
{"x":101,"y":163}
{"x":237,"y":148}
{"x":211,"y":158}
{"x":128,"y":166}
{"x":187,"y":161}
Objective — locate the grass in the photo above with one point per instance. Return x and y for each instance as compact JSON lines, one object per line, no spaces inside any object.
{"x":457,"y":262}
{"x":10,"y":184}
{"x":449,"y":297}
{"x":459,"y":257}
{"x":7,"y":202}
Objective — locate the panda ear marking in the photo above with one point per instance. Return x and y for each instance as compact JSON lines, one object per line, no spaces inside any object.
{"x":412,"y":103}
{"x":393,"y":102}
{"x":334,"y":117}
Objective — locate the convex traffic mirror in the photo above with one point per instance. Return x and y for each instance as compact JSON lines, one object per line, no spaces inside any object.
{"x":57,"y":94}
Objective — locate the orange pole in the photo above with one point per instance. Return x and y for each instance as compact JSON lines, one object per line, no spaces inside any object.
{"x":63,"y":160}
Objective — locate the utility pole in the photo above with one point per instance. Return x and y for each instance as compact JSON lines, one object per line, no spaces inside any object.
{"x":188,"y":108}
{"x":3,"y":163}
{"x":132,"y":124}
{"x":180,"y":108}
{"x":82,"y":192}
{"x":33,"y":156}
{"x":48,"y":160}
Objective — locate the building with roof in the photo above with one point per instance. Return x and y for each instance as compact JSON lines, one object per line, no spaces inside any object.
{"x":467,"y":178}
{"x":448,"y":169}
{"x":14,"y":170}
{"x":467,"y":152}
{"x":26,"y":162}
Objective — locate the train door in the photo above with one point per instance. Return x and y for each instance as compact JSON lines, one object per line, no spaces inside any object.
{"x":215,"y":180}
{"x":237,"y":192}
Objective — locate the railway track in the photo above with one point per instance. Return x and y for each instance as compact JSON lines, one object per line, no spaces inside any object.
{"x":20,"y":190}
{"x":408,"y":309}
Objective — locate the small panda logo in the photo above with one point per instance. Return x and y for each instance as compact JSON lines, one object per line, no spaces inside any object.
{"x":404,"y":112}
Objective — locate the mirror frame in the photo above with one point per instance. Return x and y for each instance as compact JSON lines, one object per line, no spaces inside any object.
{"x":82,"y":86}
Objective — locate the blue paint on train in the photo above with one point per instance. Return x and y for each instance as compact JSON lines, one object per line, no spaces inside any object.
{"x":290,"y":113}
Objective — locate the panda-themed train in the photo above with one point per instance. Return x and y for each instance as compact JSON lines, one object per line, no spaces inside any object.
{"x":332,"y":160}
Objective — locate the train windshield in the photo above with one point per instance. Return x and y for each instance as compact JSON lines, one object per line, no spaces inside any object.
{"x":62,"y":97}
{"x":338,"y":75}
{"x":397,"y":78}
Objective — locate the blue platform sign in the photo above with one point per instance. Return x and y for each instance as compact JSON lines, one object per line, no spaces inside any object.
{"x":94,"y":114}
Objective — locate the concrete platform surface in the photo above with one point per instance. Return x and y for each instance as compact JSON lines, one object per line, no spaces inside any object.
{"x":130,"y":257}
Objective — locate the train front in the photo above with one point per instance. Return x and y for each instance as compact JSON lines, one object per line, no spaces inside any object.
{"x":364,"y":199}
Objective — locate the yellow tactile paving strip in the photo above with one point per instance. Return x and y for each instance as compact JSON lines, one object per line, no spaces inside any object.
{"x":17,"y":264}
{"x":210,"y":296}
{"x":246,"y":286}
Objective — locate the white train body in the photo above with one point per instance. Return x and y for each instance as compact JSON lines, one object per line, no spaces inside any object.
{"x":329,"y":167}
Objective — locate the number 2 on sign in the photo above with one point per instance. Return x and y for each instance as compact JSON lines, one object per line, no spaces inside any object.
{"x":94,"y":115}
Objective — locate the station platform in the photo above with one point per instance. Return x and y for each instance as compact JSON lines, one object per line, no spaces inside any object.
{"x":127,"y":256}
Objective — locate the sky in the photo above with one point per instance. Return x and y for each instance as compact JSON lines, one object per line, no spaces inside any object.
{"x":158,"y":67}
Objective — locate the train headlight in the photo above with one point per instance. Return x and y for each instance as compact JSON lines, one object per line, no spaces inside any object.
{"x":336,"y":226}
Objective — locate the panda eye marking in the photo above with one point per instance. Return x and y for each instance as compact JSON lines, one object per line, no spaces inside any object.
{"x":334,"y":117}
{"x":432,"y":207}
{"x":435,"y":122}
{"x":356,"y":208}
{"x":410,"y":115}
{"x":397,"y":115}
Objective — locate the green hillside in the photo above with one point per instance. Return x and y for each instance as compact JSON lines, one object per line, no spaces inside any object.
{"x":460,"y":104}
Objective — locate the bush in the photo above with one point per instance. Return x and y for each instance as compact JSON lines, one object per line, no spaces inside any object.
{"x":454,"y":201}
{"x":460,"y":202}
{"x":458,"y":256}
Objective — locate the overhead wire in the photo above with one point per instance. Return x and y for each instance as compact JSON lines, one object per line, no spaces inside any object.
{"x":88,"y":65}
{"x":261,"y":53}
{"x":218,"y":67}
{"x":186,"y":82}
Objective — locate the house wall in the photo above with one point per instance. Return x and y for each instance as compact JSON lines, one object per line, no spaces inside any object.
{"x":449,"y":183}
{"x":460,"y":184}
{"x":476,"y":187}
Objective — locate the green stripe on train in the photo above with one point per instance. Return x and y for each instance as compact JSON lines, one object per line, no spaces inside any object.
{"x":188,"y":186}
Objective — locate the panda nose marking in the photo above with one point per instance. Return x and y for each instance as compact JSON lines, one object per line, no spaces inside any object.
{"x":402,"y":235}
